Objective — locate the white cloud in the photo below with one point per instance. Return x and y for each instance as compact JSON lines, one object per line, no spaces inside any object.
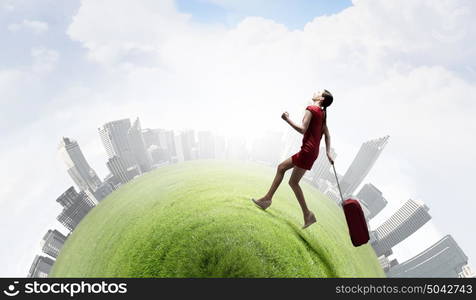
{"x":10,"y":81}
{"x":133,"y":27}
{"x":8,"y":7}
{"x":361,"y":50}
{"x":44,"y":60}
{"x":23,"y":89}
{"x":36,"y":27}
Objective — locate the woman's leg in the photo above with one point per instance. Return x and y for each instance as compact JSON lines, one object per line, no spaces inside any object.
{"x":296,"y":176}
{"x":281,"y":169}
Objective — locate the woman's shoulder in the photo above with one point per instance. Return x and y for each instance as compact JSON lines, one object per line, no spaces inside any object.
{"x":314,"y":108}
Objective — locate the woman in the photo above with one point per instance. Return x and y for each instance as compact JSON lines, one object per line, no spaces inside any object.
{"x":313,"y":127}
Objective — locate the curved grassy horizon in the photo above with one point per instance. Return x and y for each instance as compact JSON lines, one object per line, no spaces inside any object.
{"x":195,"y":219}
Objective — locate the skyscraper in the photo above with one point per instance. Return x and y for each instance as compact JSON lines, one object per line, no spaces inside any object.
{"x":41,"y":267}
{"x":267,"y":148}
{"x":321,"y":168}
{"x":167,"y":141}
{"x":101,"y":192}
{"x":119,"y":169}
{"x":467,"y":272}
{"x":139,"y":150}
{"x":385,"y":263}
{"x":78,"y":168}
{"x":442,"y":259}
{"x":52,"y":242}
{"x":113,"y":181}
{"x":178,"y":147}
{"x":236,"y":148}
{"x":403,"y":223}
{"x":114,"y":136}
{"x":187,"y":137}
{"x":361,"y":165}
{"x":220,"y":147}
{"x":291,"y":144}
{"x":372,"y":198}
{"x":206,"y":145}
{"x":151,"y":137}
{"x":333,"y":193}
{"x":159,"y":154}
{"x":75,"y":207}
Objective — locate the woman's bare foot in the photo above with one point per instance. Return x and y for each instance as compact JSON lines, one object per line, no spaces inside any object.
{"x":262,"y":203}
{"x":309,"y":219}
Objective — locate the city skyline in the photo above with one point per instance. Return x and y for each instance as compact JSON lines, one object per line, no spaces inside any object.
{"x":120,"y":139}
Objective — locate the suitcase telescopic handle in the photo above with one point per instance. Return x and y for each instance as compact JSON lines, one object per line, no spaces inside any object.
{"x":340,"y":192}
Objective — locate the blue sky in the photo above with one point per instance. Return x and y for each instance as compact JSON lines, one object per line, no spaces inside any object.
{"x":16,"y":47}
{"x":294,"y":14}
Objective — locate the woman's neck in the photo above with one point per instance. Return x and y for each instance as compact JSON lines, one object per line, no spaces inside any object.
{"x":316,"y":104}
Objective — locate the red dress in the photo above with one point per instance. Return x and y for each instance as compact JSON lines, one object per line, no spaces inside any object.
{"x":310,"y":142}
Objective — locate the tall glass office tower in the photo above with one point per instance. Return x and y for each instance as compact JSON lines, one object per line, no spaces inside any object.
{"x":52,"y":242}
{"x":138,"y":147}
{"x":361,"y":165}
{"x":78,"y":168}
{"x":442,"y":259}
{"x":372,"y":198}
{"x":114,"y":136}
{"x":403,"y":223}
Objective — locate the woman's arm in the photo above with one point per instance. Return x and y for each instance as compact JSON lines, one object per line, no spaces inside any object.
{"x":305,"y":121}
{"x":327,"y":138}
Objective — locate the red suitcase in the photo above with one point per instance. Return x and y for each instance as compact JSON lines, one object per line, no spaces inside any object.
{"x":354,"y":215}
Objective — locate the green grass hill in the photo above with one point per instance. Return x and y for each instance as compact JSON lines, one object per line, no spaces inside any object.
{"x":195,"y":219}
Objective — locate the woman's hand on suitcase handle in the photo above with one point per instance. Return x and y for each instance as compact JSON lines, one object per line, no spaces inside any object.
{"x":330,"y":158}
